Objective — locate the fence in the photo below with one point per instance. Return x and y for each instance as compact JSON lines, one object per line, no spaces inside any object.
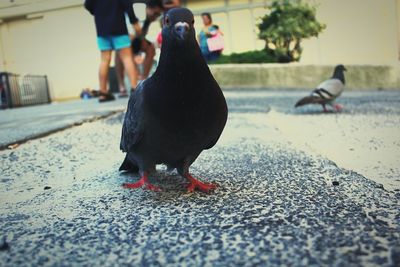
{"x":17,"y":90}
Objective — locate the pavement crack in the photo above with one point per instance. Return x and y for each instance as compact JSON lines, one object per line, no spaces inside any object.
{"x":15,"y":144}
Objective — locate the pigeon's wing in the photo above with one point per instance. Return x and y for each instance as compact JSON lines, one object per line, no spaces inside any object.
{"x":329,"y":89}
{"x":311,"y":99}
{"x":131,"y":131}
{"x":325,"y":92}
{"x":222,"y":121}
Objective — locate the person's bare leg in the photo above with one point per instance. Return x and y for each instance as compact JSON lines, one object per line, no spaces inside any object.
{"x":119,"y":71}
{"x":127,"y":60}
{"x":150,"y":52}
{"x":103,"y":70}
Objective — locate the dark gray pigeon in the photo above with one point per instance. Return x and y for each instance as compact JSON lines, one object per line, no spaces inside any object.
{"x":176,"y":113}
{"x":327,"y":91}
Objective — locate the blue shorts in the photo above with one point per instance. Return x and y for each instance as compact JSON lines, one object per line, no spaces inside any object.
{"x":113,"y":42}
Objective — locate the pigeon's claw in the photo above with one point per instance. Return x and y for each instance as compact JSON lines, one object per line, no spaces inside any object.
{"x":196,"y":184}
{"x":133,"y":185}
{"x":142,"y":182}
{"x":338,"y":107}
{"x":153,"y":187}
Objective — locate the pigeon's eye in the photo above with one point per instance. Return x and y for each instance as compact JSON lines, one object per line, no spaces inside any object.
{"x":167,"y":21}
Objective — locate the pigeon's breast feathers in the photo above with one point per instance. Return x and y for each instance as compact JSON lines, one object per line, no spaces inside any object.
{"x":183,"y":87}
{"x":329,"y":89}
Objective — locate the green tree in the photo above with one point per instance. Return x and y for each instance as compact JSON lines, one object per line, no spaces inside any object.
{"x":285,"y":26}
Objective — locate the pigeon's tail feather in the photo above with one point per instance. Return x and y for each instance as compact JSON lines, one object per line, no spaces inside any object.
{"x":305,"y":100}
{"x":127,"y":165}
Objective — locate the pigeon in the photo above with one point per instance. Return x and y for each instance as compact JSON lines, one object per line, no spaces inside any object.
{"x":327,"y":91}
{"x":177,"y":112}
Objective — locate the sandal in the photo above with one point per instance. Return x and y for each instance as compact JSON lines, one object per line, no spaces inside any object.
{"x":105,"y":97}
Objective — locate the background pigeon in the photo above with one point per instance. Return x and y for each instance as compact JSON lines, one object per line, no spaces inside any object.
{"x":327,"y":91}
{"x":176,"y":113}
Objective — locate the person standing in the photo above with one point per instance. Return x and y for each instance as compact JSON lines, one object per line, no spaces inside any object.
{"x":209,"y":30}
{"x":112,"y":34}
{"x":154,"y":9}
{"x":140,"y":44}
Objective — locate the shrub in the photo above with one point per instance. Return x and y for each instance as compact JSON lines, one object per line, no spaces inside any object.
{"x":246,"y":57}
{"x":285,"y":26}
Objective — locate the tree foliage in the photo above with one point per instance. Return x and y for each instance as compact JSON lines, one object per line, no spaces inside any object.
{"x":285,"y":26}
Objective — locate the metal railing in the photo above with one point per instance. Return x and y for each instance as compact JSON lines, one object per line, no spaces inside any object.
{"x":23,"y":90}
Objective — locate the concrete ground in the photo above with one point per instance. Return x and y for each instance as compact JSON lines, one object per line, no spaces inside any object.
{"x":22,"y":124}
{"x":296,"y":188}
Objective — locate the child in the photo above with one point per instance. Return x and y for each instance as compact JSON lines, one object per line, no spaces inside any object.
{"x":140,"y":44}
{"x":112,"y":34}
{"x":154,"y":8}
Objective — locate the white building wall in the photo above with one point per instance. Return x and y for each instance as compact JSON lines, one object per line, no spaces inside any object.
{"x":358,"y":32}
{"x":60,"y":44}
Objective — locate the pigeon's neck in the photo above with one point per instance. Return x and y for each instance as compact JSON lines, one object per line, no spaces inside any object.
{"x":338,"y":74}
{"x":185,"y":62}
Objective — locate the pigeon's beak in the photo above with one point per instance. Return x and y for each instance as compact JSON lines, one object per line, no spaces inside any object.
{"x":344,"y":69}
{"x":181,"y":29}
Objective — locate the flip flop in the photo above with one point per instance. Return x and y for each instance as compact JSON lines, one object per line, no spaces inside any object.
{"x":105,"y":97}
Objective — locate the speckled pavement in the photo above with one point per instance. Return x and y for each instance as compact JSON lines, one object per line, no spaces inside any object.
{"x":276,"y":205}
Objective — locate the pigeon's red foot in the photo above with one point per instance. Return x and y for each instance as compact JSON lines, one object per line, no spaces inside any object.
{"x":196,"y":184}
{"x":142,"y":182}
{"x":338,"y":107}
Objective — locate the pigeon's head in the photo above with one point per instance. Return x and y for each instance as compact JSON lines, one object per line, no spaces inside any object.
{"x":340,"y":68}
{"x":178,"y":26}
{"x":338,"y":73}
